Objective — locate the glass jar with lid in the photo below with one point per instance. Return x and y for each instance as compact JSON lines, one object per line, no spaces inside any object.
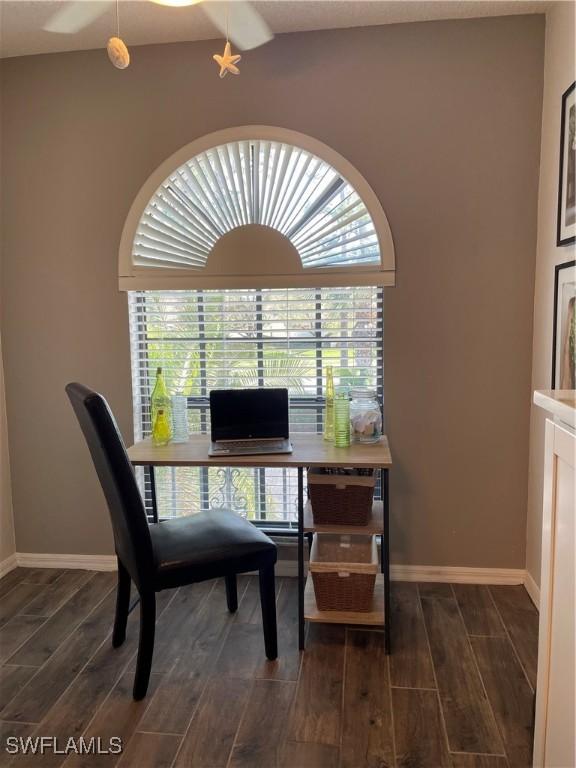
{"x":365,"y":416}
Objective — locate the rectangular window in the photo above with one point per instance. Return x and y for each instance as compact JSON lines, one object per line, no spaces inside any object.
{"x":207,"y":340}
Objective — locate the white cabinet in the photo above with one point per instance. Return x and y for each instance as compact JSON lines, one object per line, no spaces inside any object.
{"x":554,"y":735}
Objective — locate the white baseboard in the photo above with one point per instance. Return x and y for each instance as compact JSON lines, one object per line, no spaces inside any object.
{"x":457,"y":575}
{"x":434,"y":573}
{"x":101,"y":563}
{"x":89,"y":562}
{"x":8,"y":565}
{"x":532,"y":588}
{"x":460,"y":575}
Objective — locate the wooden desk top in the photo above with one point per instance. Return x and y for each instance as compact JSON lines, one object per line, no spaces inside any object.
{"x":309,"y":451}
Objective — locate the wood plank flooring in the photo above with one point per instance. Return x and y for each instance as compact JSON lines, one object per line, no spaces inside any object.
{"x":457,"y":692}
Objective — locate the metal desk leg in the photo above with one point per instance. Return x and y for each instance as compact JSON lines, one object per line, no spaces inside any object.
{"x":153,"y":494}
{"x":385,"y":556}
{"x":301,"y":558}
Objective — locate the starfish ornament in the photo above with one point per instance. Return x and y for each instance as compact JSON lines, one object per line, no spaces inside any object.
{"x":227,"y":61}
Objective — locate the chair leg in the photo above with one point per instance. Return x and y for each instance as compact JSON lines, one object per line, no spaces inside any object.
{"x":122,"y":606}
{"x":231,"y":592}
{"x":145,"y":644}
{"x":268,"y":603}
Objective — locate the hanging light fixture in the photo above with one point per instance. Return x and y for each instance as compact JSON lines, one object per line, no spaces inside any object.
{"x":117,"y":50}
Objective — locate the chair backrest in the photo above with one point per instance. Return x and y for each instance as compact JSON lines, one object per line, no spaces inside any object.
{"x":129,"y":523}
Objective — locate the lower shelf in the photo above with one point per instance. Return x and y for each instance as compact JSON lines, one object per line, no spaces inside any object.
{"x":375,"y":617}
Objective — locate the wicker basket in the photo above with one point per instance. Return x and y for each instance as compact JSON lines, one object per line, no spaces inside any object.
{"x":341,"y":499}
{"x":344,"y":572}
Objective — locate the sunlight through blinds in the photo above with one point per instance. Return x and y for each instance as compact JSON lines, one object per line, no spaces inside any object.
{"x":207,"y":340}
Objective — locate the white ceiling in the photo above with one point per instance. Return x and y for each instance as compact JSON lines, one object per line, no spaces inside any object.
{"x":143,"y":22}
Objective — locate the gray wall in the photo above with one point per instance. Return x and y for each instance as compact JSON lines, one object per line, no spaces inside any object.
{"x":7,"y":537}
{"x":442,"y":118}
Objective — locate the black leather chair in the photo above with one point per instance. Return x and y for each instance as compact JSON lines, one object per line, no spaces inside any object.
{"x":172,"y":553}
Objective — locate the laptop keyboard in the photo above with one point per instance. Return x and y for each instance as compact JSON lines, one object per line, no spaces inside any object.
{"x":234,"y":445}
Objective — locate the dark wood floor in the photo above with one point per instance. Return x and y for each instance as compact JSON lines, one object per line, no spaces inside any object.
{"x":457,"y":691}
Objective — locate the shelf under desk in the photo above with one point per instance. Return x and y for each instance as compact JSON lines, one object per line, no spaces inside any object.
{"x":372,"y":618}
{"x":373,"y":526}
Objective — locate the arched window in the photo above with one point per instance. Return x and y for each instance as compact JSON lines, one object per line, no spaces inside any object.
{"x":256,"y":207}
{"x":253,"y":257}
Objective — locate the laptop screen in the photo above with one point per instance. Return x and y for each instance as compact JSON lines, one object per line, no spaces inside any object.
{"x":244,"y":414}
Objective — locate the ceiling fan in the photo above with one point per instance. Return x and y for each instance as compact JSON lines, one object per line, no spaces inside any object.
{"x":236,"y":19}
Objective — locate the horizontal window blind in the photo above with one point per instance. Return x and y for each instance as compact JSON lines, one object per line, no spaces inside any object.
{"x":207,"y":340}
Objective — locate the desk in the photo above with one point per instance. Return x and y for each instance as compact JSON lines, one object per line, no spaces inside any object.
{"x":309,"y":451}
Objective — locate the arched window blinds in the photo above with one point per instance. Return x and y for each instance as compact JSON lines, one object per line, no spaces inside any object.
{"x":256,"y":207}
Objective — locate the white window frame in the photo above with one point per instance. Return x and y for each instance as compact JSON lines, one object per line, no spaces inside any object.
{"x":133,"y":277}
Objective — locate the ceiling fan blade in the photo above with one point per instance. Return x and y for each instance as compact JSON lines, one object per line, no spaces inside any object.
{"x":246,"y":28}
{"x":75,"y":16}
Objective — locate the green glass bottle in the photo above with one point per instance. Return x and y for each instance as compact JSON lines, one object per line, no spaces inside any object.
{"x":329,"y":405}
{"x":161,"y":431}
{"x":159,"y":399}
{"x":342,"y":419}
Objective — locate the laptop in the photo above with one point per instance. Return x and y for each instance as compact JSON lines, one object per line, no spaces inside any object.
{"x":249,"y":421}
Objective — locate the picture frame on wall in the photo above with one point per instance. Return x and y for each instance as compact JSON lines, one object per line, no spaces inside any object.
{"x":564,"y":334}
{"x":566,"y":225}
